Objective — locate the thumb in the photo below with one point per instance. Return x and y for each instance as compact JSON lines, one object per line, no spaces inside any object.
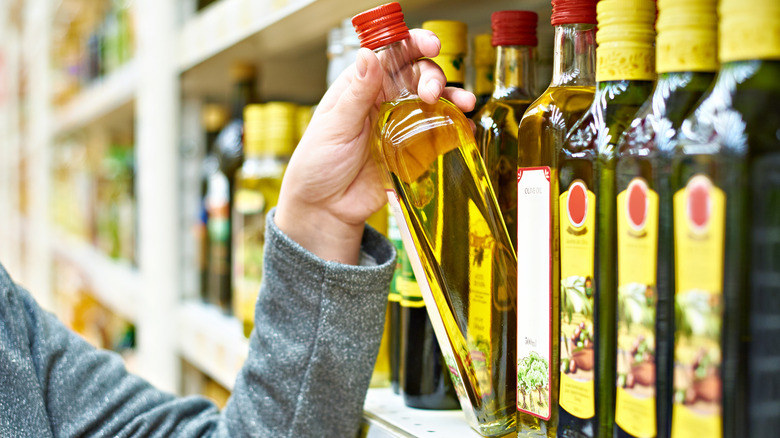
{"x":355,"y":103}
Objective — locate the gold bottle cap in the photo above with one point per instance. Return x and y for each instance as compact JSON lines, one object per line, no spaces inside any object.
{"x":254,"y":129}
{"x":213,"y":117}
{"x":242,"y":71}
{"x":625,"y":36}
{"x":453,"y":36}
{"x":749,"y":29}
{"x":280,"y":127}
{"x":687,"y":36}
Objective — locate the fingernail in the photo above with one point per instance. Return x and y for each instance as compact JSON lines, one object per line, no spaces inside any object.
{"x":435,"y":39}
{"x":361,"y":65}
{"x":434,"y":87}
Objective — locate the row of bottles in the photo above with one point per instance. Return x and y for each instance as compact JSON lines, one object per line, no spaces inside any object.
{"x":644,"y":211}
{"x":92,"y":39}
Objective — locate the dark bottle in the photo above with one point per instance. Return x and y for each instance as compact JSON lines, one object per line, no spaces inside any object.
{"x":229,"y":150}
{"x":543,"y":130}
{"x":686,"y":62}
{"x":213,"y":118}
{"x":624,"y":76}
{"x":726,"y":216}
{"x":514,"y":37}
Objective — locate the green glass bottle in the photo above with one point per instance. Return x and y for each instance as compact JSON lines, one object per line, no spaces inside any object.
{"x":726,"y":216}
{"x":625,"y":75}
{"x":686,"y":62}
{"x":514,"y":37}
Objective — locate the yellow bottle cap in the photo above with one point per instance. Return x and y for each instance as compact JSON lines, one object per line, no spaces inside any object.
{"x":280,"y":128}
{"x":254,"y":135}
{"x":242,"y":71}
{"x":749,"y":29}
{"x":625,"y":36}
{"x":454,"y":47}
{"x":687,"y":36}
{"x":213,"y":117}
{"x":484,"y":52}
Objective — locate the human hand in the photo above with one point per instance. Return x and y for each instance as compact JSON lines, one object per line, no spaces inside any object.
{"x":332,"y":184}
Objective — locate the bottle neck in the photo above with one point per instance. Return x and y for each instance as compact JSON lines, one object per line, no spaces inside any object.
{"x":574,"y":61}
{"x":514,"y":73}
{"x":401,"y":74}
{"x":243,"y":95}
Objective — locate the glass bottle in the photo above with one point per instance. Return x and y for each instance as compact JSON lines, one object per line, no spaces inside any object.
{"x":624,"y":75}
{"x":514,"y":37}
{"x":213,"y":118}
{"x":269,"y":132}
{"x":427,"y":153}
{"x":541,"y":134}
{"x":484,"y":67}
{"x":229,"y":149}
{"x":726,"y":189}
{"x":686,"y":62}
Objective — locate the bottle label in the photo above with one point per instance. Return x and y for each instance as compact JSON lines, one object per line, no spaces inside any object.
{"x":437,"y":322}
{"x":534,"y":296}
{"x":453,"y":66}
{"x":481,"y":246}
{"x":620,"y":62}
{"x":483,"y":80}
{"x":699,"y":234}
{"x":637,"y":234}
{"x":405,"y":288}
{"x":248,"y":242}
{"x":577,"y":216}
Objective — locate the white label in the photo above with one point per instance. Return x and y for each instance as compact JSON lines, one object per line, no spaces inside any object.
{"x":533,"y":291}
{"x":430,"y":303}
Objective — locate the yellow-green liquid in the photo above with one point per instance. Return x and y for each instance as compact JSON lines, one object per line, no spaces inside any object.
{"x":540,"y":137}
{"x":432,"y":164}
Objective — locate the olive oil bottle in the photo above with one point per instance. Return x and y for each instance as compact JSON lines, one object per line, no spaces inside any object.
{"x":686,"y":61}
{"x":269,"y":132}
{"x":542,"y":132}
{"x":427,"y":153}
{"x":725,"y":189}
{"x":514,"y":37}
{"x":484,"y":67}
{"x":587,"y":212}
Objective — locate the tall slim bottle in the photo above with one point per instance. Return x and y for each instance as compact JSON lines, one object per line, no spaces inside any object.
{"x":484,"y":68}
{"x":514,"y":37}
{"x":414,"y":144}
{"x":542,"y":132}
{"x":624,"y":74}
{"x":229,"y":149}
{"x":269,"y":132}
{"x":726,"y":191}
{"x":686,"y":62}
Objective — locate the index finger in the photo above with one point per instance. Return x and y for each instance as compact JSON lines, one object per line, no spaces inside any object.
{"x":423,"y":44}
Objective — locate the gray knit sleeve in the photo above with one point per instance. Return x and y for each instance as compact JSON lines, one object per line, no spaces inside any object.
{"x":318,"y":327}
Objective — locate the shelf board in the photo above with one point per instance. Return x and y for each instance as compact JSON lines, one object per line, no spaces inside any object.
{"x":386,"y":416}
{"x":108,"y":101}
{"x":212,"y":341}
{"x":115,"y":284}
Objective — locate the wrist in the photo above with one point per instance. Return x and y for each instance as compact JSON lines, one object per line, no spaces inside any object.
{"x":320,"y":232}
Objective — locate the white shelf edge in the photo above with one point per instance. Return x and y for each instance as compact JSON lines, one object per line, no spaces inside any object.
{"x":99,"y":99}
{"x":114,"y":283}
{"x":212,"y":341}
{"x":227,"y":22}
{"x":386,"y":416}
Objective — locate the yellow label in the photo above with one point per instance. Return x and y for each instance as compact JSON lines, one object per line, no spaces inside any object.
{"x":618,"y":61}
{"x":687,"y":50}
{"x":636,"y":415}
{"x":453,"y":66}
{"x":481,"y":245}
{"x":577,"y":236}
{"x":699,"y":233}
{"x":577,"y":397}
{"x":483,"y":80}
{"x":637,"y":243}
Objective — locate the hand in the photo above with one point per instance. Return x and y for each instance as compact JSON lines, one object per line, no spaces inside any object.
{"x":332,"y":184}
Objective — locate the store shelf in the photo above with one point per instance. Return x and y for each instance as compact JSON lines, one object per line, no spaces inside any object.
{"x":115,"y":284}
{"x":108,"y":101}
{"x":386,"y":416}
{"x":212,"y":341}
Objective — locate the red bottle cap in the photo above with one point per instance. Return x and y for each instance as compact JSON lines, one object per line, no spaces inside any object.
{"x":514,"y":28}
{"x":380,"y":26}
{"x":573,"y":12}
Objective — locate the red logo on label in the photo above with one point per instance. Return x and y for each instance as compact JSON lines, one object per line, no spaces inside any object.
{"x":637,"y":204}
{"x":699,"y":202}
{"x":577,"y":203}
